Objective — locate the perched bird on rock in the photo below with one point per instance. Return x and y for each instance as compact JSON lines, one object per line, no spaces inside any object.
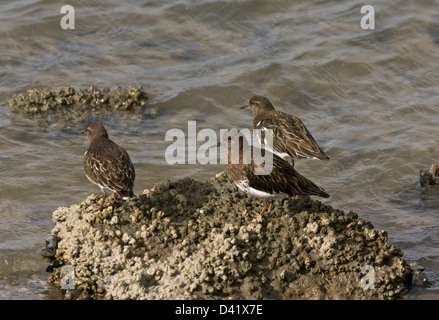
{"x":291,"y":139}
{"x":283,"y":180}
{"x":107,"y":164}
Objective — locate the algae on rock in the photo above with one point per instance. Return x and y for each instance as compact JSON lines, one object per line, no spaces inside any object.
{"x":77,"y":105}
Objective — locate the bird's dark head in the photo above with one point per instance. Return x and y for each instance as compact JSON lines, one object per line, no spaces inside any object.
{"x":95,"y":130}
{"x":232,"y":137}
{"x":258,"y":104}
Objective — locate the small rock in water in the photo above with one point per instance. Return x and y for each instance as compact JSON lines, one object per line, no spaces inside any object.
{"x":71,"y":105}
{"x":50,"y":247}
{"x":430,"y":176}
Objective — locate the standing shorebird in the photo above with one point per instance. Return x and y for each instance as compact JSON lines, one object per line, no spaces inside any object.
{"x":283,"y":179}
{"x":291,"y":139}
{"x":107,"y":164}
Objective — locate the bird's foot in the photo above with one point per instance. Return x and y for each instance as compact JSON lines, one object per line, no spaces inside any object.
{"x":263,"y":212}
{"x":255,"y":214}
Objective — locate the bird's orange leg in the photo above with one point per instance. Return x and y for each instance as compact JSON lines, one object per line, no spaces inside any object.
{"x":104,"y":196}
{"x":270,"y":207}
{"x":255,"y":214}
{"x":114,"y":198}
{"x":290,"y":163}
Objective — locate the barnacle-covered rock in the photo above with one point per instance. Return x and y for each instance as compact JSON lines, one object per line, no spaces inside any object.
{"x":430,"y":176}
{"x":186,"y":239}
{"x":77,"y":105}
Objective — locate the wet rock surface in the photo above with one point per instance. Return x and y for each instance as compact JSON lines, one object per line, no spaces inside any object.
{"x":430,"y":176}
{"x":77,"y":105}
{"x":194,"y":240}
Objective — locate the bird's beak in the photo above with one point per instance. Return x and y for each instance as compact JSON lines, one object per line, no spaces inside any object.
{"x":245,"y":107}
{"x":84,"y":132}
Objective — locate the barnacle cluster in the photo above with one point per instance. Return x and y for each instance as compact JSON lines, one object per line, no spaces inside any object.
{"x":77,"y":105}
{"x":187,"y":239}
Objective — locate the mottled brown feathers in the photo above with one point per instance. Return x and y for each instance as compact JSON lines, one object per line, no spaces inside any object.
{"x":107,"y":164}
{"x":290,"y":135}
{"x":283,"y":178}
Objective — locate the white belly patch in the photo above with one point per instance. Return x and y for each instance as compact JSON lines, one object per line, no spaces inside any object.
{"x":244,"y":186}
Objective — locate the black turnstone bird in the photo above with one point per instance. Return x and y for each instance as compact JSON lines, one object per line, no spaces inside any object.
{"x":107,"y":164}
{"x":283,"y":180}
{"x":291,"y":139}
